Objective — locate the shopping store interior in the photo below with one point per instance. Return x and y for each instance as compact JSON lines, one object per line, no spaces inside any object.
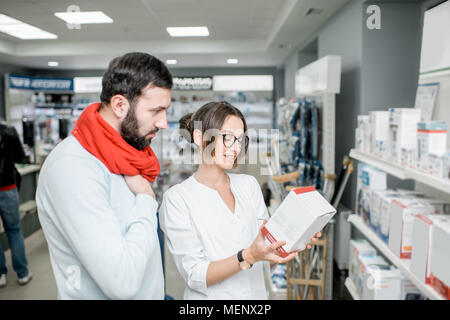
{"x":348,"y":96}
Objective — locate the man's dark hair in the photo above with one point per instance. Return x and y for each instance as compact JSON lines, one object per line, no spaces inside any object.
{"x":129,"y":74}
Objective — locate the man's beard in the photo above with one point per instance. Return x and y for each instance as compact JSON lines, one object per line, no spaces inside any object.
{"x":129,"y":131}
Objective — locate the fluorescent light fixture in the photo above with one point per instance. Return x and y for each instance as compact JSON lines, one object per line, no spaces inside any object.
{"x":53,"y":63}
{"x":232,"y":61}
{"x":86,"y":17}
{"x":22,"y":30}
{"x":188,"y":31}
{"x":171,"y":61}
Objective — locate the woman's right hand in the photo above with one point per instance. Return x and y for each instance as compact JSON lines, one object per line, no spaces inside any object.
{"x":259,"y":250}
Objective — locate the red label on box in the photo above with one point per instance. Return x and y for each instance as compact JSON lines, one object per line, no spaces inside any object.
{"x":440,"y":287}
{"x":272,"y":239}
{"x":304,"y":190}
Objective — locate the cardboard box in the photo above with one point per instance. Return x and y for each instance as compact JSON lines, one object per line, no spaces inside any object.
{"x":385,"y":214}
{"x":403,"y":134}
{"x":440,"y":257}
{"x":358,"y":247}
{"x":401,"y":224}
{"x":302,"y":214}
{"x":446,"y":166}
{"x":362,"y":134}
{"x":367,"y":263}
{"x":431,"y":139}
{"x":382,"y":283}
{"x":439,"y":206}
{"x":408,"y":290}
{"x":423,"y":227}
{"x":369,"y":179}
{"x":379,"y":122}
{"x":375,"y":213}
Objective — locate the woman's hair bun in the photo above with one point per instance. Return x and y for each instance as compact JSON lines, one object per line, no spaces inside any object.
{"x":185,"y":124}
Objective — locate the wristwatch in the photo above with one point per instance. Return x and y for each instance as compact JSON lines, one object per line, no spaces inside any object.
{"x":244,"y":265}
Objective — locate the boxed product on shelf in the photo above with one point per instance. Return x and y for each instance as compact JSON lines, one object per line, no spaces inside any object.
{"x":403,"y":135}
{"x":369,"y":179}
{"x":385,"y":214}
{"x":362,"y":134}
{"x":408,"y":290}
{"x":382,"y":282}
{"x":358,"y":247}
{"x":379,"y":124}
{"x":366,"y":263}
{"x":431,"y":139}
{"x":423,"y":227}
{"x":359,"y":140}
{"x":375,"y":206}
{"x":440,"y":257}
{"x":439,"y":206}
{"x":446,"y":166}
{"x":436,"y":165}
{"x":401,"y":224}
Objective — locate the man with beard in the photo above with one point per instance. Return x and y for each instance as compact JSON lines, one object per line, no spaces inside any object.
{"x":94,"y":198}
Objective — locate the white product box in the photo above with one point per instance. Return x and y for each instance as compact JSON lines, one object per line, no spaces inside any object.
{"x":439,"y":206}
{"x":385,"y":214}
{"x":375,"y":206}
{"x":408,"y":290}
{"x":379,"y":122}
{"x":435,"y":165}
{"x":302,"y":214}
{"x":358,"y":247}
{"x":440,"y":257}
{"x":362,"y":134}
{"x":421,"y":245}
{"x":369,"y":179}
{"x":382,"y":283}
{"x":403,"y":134}
{"x":446,"y":166}
{"x":401,"y":224}
{"x":366,"y":262}
{"x":359,"y":142}
{"x":431,"y":139}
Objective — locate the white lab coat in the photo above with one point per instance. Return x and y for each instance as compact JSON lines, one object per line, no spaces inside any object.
{"x":200,"y":228}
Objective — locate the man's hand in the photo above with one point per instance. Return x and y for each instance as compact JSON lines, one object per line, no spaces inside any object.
{"x":138,"y":184}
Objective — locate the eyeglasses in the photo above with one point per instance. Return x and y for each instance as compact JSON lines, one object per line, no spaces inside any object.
{"x":229,"y":140}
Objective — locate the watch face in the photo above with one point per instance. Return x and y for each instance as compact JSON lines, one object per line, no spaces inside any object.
{"x":244,"y":265}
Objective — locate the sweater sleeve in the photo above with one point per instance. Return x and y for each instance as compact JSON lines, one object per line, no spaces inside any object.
{"x":75,"y":195}
{"x":183,"y":242}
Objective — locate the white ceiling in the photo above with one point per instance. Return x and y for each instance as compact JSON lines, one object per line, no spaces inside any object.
{"x":250,"y":30}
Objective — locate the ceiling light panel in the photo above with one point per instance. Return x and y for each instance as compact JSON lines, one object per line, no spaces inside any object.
{"x":86,"y":17}
{"x":22,"y":30}
{"x":188,"y":31}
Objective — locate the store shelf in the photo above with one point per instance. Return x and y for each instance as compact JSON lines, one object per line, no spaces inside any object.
{"x":402,"y":264}
{"x":352,"y":289}
{"x":378,"y":163}
{"x":401,"y":172}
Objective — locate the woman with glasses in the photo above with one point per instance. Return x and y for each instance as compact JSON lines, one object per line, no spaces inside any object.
{"x":213,"y":219}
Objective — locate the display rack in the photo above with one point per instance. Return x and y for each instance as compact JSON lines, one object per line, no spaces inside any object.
{"x":402,"y":264}
{"x":402,"y":172}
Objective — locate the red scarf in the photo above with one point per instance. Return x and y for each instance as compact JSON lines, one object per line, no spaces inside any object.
{"x":107,"y":145}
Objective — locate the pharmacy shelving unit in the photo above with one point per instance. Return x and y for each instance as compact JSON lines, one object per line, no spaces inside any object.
{"x":402,"y":264}
{"x":401,"y":173}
